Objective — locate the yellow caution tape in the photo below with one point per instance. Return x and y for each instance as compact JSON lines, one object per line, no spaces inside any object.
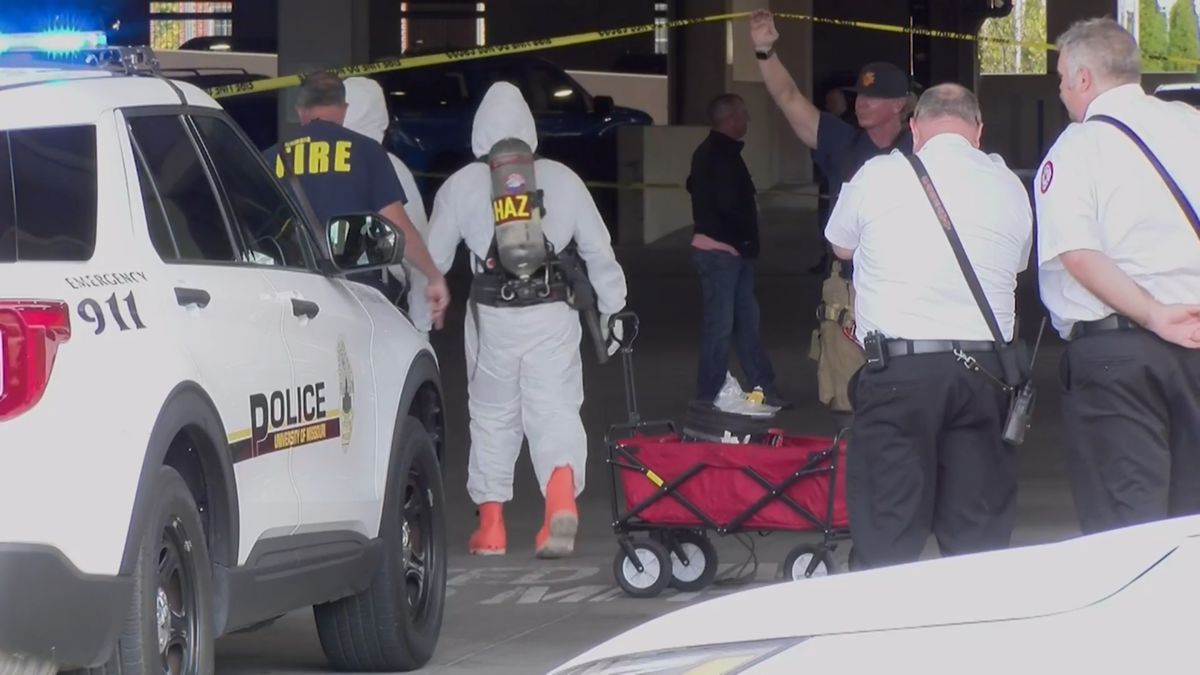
{"x":598,"y":36}
{"x":466,"y":55}
{"x":601,"y":35}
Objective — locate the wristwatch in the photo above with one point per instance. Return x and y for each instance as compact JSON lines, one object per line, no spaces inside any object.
{"x":763,"y":56}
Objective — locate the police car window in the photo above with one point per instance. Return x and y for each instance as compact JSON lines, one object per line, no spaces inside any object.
{"x":48,"y":194}
{"x":156,"y":215}
{"x":422,"y":90}
{"x":272,"y":230}
{"x":188,"y":201}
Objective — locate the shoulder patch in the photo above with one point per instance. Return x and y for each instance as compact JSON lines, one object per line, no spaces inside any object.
{"x":1046,"y":177}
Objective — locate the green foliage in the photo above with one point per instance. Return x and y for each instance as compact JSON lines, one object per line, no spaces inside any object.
{"x":1152,"y":35}
{"x":998,"y":57}
{"x":1183,"y":40}
{"x":1026,"y":23}
{"x":1033,"y":29}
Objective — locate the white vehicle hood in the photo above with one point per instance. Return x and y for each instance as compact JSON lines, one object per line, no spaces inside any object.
{"x":1017,"y":583}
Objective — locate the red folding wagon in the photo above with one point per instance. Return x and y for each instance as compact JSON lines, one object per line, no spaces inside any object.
{"x":677,"y":491}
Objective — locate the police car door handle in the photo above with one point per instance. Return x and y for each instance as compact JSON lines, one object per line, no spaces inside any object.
{"x":304,"y":308}
{"x":192,"y":296}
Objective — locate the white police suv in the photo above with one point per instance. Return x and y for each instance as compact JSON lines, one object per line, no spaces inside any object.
{"x":203,"y":424}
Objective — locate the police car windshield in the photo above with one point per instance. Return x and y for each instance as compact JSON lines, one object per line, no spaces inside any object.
{"x":48,"y":194}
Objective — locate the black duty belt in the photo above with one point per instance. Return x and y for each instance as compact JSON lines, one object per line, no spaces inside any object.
{"x":1109,"y":323}
{"x":913,"y":347}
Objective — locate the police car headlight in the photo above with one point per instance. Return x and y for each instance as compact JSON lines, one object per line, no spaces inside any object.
{"x":710,"y":660}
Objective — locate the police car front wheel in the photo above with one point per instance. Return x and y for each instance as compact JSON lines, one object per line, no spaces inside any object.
{"x":169,"y":627}
{"x":394,"y":625}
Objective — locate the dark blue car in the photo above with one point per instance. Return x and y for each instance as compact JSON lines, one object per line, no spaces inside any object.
{"x":433,"y":109}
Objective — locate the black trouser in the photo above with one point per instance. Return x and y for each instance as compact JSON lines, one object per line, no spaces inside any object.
{"x":925,"y":455}
{"x":1131,"y":404}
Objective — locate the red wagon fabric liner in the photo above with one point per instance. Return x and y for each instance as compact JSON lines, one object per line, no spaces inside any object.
{"x":723,"y":490}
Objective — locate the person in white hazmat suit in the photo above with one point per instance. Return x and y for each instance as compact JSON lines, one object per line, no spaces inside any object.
{"x":368,"y":115}
{"x":524,"y":364}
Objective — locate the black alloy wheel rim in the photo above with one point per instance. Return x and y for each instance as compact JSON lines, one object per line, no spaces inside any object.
{"x":418,"y":542}
{"x":176,"y":602}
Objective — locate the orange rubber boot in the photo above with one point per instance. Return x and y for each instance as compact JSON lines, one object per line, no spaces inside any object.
{"x":490,"y":538}
{"x":557,"y":537}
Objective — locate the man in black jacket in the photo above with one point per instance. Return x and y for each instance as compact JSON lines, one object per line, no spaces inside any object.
{"x":725,"y":244}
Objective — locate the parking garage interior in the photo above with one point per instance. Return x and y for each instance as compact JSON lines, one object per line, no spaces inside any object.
{"x":516,"y":615}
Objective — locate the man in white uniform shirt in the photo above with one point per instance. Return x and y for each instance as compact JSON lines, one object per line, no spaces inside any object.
{"x":1120,"y":276}
{"x":925,"y":452}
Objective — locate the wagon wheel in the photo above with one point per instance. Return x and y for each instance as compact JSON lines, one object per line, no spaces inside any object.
{"x":697,"y":567}
{"x":807,"y":560}
{"x":655,"y":575}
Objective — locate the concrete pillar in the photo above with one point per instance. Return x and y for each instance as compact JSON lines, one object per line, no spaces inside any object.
{"x":708,"y":59}
{"x":318,"y":34}
{"x":777,"y":155}
{"x":1060,"y":14}
{"x":841,"y":51}
{"x":314,"y":35}
{"x":696,"y":61}
{"x":945,"y":59}
{"x":256,"y":20}
{"x":509,"y":21}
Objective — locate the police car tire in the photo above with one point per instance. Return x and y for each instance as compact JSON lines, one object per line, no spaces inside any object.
{"x":137,"y":651}
{"x":373,"y":631}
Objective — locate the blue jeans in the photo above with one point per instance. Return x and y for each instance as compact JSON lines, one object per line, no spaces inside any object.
{"x":730,"y":311}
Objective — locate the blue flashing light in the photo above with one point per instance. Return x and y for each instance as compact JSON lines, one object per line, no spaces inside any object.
{"x":53,"y":41}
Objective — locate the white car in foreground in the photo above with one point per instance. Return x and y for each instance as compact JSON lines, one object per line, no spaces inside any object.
{"x":1120,"y":602}
{"x":204,"y":425}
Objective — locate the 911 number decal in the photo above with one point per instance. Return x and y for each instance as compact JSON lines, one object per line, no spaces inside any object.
{"x":92,"y":312}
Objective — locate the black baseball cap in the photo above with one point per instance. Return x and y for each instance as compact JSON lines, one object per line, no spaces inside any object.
{"x":881,"y":80}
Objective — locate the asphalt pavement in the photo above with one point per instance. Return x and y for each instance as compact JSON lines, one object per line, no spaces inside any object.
{"x":516,"y":615}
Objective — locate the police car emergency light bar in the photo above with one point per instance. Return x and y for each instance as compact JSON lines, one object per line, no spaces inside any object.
{"x":71,"y":49}
{"x":52,"y":42}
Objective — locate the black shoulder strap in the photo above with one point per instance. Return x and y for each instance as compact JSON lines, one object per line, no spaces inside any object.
{"x":964,"y":263}
{"x":905,"y":135}
{"x":1162,"y":171}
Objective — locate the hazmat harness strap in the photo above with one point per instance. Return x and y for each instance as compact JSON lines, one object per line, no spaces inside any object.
{"x":562,"y":278}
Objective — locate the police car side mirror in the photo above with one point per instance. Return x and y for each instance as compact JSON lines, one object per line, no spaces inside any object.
{"x":364,"y":241}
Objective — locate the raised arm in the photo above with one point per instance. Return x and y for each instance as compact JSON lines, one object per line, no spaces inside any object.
{"x":799,"y":111}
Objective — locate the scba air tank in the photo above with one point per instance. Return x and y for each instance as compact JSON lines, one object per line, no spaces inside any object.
{"x":520,"y":243}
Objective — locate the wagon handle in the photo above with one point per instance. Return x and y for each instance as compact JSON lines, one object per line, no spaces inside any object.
{"x":630,"y":327}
